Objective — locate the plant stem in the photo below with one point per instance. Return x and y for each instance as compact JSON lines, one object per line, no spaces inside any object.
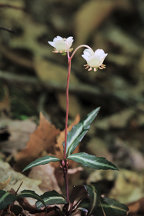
{"x":67,"y":104}
{"x":67,"y":91}
{"x":83,"y":45}
{"x":65,"y":162}
{"x":65,"y":172}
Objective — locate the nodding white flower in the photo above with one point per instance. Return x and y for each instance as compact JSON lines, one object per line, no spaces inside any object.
{"x":94,"y":59}
{"x":61,"y":44}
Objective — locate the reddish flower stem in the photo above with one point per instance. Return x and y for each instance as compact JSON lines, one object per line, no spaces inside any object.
{"x":65,"y":162}
{"x":67,"y":92}
{"x":67,"y":104}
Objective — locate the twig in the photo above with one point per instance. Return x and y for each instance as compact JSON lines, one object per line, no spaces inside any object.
{"x":6,"y":29}
{"x":19,"y":187}
{"x":10,"y":6}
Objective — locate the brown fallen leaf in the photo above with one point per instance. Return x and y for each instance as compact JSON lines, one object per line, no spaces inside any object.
{"x":137,"y":206}
{"x":46,"y":174}
{"x":43,"y":139}
{"x":5,"y":102}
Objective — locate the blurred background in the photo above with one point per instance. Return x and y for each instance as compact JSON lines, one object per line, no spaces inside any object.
{"x":33,"y":78}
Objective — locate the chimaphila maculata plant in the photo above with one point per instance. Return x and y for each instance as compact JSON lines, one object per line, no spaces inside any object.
{"x":83,"y":198}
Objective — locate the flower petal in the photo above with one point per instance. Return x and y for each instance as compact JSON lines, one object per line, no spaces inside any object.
{"x":87,"y":53}
{"x":94,"y":59}
{"x":69,"y":41}
{"x":57,"y":38}
{"x":94,"y":62}
{"x":99,"y":52}
{"x":51,"y":43}
{"x":61,"y":44}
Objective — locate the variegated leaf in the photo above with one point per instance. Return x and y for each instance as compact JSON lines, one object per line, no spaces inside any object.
{"x":6,"y":199}
{"x":111,"y":207}
{"x":32,"y":194}
{"x":41,"y":161}
{"x":51,"y":198}
{"x":78,"y":131}
{"x":93,"y":197}
{"x":92,"y":161}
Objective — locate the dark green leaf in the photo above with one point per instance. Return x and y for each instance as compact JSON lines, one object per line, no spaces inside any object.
{"x":6,"y":199}
{"x":106,"y":206}
{"x":41,"y":161}
{"x":111,"y":207}
{"x":92,"y":161}
{"x":78,"y":131}
{"x":51,"y":198}
{"x":32,"y":194}
{"x":93,"y":197}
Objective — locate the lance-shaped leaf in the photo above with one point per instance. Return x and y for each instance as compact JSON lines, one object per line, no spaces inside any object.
{"x":93,"y":197}
{"x":78,"y":131}
{"x":51,"y":198}
{"x":111,"y":207}
{"x":6,"y":199}
{"x":92,"y":161}
{"x":41,"y":161}
{"x":32,"y":194}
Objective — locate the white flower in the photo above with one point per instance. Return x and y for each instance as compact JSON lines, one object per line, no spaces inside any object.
{"x":61,"y":44}
{"x":94,"y":59}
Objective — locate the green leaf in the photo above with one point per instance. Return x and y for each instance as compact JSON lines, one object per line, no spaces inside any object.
{"x":92,"y":161}
{"x":51,"y":198}
{"x":78,"y":131}
{"x":6,"y":199}
{"x":93,"y":197}
{"x":32,"y":194}
{"x":111,"y":207}
{"x":41,"y":161}
{"x":106,"y":206}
